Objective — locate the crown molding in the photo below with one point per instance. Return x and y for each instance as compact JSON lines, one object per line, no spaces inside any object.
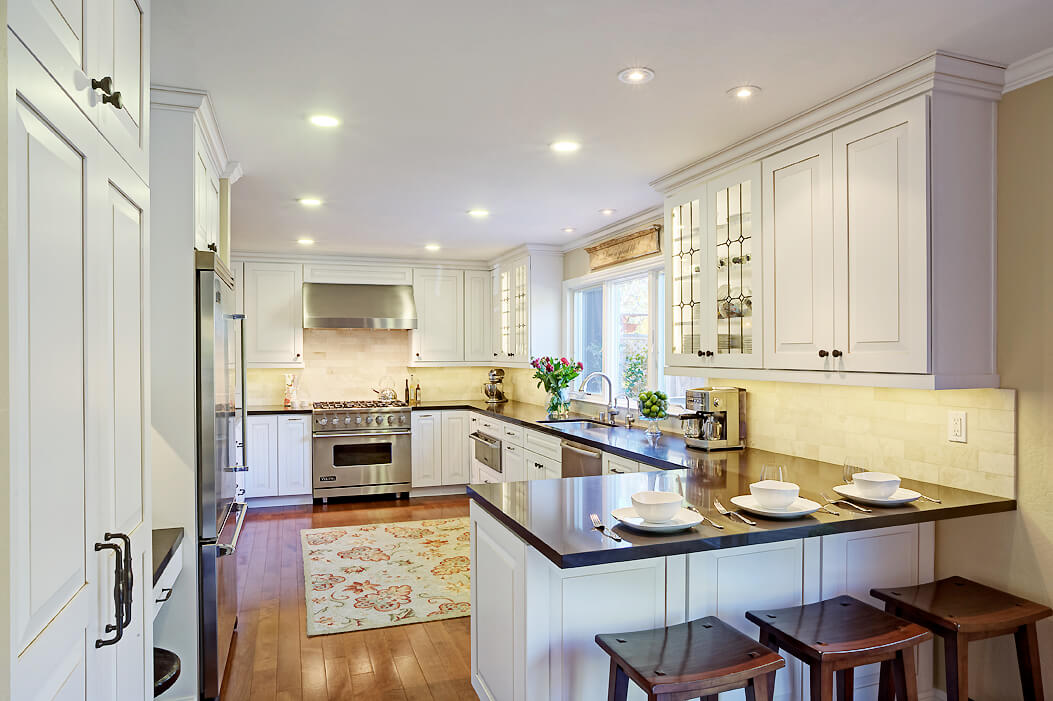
{"x":1029,"y":70}
{"x":199,"y":103}
{"x":643,"y":218}
{"x":232,"y":173}
{"x":323,"y":259}
{"x":528,"y":249}
{"x":940,"y":71}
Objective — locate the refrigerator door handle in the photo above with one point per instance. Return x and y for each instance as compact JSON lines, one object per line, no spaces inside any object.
{"x":224,"y":549}
{"x":244,"y":398}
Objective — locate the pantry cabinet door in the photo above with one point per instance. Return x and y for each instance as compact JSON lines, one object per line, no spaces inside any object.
{"x":456,"y":448}
{"x":274,"y":314}
{"x":881,"y":261}
{"x":478,"y":313}
{"x":798,"y":257}
{"x":261,"y":456}
{"x":439,"y":296}
{"x":294,"y":455}
{"x":124,"y":55}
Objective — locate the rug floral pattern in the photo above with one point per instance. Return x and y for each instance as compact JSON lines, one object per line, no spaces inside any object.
{"x":386,"y":574}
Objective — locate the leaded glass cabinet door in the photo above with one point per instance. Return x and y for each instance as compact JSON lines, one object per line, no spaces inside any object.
{"x":733,"y":231}
{"x":687,"y":267}
{"x":521,"y":308}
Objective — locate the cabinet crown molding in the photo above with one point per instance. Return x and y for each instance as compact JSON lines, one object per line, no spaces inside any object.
{"x":939,"y":71}
{"x":319,"y":259}
{"x":198,"y":102}
{"x":1029,"y":70}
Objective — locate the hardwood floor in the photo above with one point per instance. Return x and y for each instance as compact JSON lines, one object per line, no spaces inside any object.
{"x":272,"y":657}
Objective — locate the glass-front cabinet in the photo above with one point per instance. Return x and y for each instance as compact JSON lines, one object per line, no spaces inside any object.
{"x":712,"y":260}
{"x":512,"y":290}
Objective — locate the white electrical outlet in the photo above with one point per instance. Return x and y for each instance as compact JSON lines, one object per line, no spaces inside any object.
{"x":956,"y":426}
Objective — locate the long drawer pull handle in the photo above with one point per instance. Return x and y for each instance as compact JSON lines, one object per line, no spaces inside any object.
{"x":118,"y":595}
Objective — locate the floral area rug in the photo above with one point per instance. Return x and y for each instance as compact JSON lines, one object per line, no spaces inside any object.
{"x":386,"y":574}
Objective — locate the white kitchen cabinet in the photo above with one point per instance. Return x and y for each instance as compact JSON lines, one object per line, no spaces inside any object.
{"x":206,"y":196}
{"x":439,"y":296}
{"x":617,"y":465}
{"x":274,"y":314}
{"x":358,"y":273}
{"x":478,"y":312}
{"x":540,"y":467}
{"x":456,"y":448}
{"x":528,"y":307}
{"x":261,"y":456}
{"x":294,"y":454}
{"x":799,"y":257}
{"x":513,"y":463}
{"x":427,"y":448}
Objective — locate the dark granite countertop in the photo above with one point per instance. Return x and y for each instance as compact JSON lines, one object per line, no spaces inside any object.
{"x":274,"y":409}
{"x":165,"y":540}
{"x":553,"y":515}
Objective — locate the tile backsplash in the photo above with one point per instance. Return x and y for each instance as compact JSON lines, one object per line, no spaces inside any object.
{"x":349,"y":363}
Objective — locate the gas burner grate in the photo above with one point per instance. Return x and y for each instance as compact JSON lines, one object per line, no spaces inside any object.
{"x":371,"y":404}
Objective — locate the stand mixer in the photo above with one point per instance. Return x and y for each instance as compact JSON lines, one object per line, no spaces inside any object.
{"x":492,"y":388}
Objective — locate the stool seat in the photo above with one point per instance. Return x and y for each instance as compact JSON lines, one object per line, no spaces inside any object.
{"x":841,"y":627}
{"x":166,"y":670}
{"x":704,"y":656}
{"x":960,"y":605}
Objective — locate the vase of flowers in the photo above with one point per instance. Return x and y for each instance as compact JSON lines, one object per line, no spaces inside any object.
{"x":555,"y":375}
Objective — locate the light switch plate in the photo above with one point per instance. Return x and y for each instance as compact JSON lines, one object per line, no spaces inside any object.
{"x":957,"y":425}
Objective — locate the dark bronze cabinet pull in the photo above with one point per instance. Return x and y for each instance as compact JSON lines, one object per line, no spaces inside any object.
{"x":823,"y":354}
{"x":104,"y":84}
{"x":836,"y":353}
{"x":128,"y":579}
{"x":166,"y":594}
{"x":118,"y":595}
{"x":113,"y":99}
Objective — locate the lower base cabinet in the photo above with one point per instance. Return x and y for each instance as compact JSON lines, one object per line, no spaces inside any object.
{"x":533,"y":624}
{"x":278,"y":455}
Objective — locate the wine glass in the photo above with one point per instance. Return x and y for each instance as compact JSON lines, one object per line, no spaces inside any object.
{"x":776,"y":473}
{"x":854,"y":464}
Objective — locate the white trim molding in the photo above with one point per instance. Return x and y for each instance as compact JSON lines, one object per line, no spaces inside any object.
{"x":199,"y":102}
{"x":322,"y":259}
{"x":1029,"y":70}
{"x":643,"y":218}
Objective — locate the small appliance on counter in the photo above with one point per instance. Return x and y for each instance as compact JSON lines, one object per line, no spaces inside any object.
{"x":492,"y":388}
{"x":718,"y":421}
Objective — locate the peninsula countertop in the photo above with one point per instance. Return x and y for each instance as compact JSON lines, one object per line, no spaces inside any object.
{"x":553,"y":515}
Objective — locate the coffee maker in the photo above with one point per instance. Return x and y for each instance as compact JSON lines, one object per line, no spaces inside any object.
{"x":718,"y":421}
{"x":492,"y":388}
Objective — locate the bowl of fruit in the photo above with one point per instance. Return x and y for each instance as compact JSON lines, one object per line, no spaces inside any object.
{"x":653,"y":407}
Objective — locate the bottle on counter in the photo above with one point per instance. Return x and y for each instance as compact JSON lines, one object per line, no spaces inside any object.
{"x":416,"y":395}
{"x":406,"y":397}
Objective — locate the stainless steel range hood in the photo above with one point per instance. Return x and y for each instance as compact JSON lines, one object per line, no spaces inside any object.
{"x":334,"y":306}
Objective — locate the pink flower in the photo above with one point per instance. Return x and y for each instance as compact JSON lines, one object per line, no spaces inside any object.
{"x":580,"y":366}
{"x":548,"y":366}
{"x":564,"y":361}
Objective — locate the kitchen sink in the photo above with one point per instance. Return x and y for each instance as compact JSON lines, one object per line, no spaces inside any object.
{"x":574,"y":423}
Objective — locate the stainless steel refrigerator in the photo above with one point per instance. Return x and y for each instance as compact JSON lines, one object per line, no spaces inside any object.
{"x":220,"y":443}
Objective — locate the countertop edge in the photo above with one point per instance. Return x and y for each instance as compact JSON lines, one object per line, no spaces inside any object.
{"x":169,"y":539}
{"x":274,"y":409}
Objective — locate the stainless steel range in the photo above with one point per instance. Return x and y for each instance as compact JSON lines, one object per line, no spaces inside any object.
{"x":361,"y":448}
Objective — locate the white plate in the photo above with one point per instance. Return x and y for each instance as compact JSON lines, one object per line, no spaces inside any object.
{"x":799,"y":507}
{"x":899,"y":497}
{"x":684,"y":519}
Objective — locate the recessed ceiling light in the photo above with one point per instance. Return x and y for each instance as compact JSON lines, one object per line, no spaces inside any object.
{"x":744,"y":91}
{"x":324,"y":120}
{"x":607,"y":212}
{"x":305,"y":242}
{"x":636,"y":75}
{"x":310,"y":201}
{"x":432,"y":246}
{"x":565,"y":146}
{"x":568,"y":230}
{"x":478,"y":213}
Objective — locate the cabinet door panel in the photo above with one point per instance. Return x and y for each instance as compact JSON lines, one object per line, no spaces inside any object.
{"x":439,"y":296}
{"x":261,"y":456}
{"x":521,"y":306}
{"x":274,"y":314}
{"x":478,"y":309}
{"x":427,"y":449}
{"x":294,"y":455}
{"x":798,"y":257}
{"x":881,"y":241}
{"x":456,"y":448}
{"x":124,"y":55}
{"x":687,"y":324}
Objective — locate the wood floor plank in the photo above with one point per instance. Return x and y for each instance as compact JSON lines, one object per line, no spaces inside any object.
{"x":414,"y":684}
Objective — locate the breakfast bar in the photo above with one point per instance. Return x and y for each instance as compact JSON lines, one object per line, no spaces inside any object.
{"x":546,"y":581}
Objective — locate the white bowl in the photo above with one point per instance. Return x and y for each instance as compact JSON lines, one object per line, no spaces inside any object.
{"x":772,"y":494}
{"x":657,"y":507}
{"x":876,"y":485}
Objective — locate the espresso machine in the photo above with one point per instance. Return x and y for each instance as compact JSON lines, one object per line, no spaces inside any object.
{"x":492,"y":388}
{"x":718,"y":421}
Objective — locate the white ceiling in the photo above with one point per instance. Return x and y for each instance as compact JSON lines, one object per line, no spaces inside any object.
{"x":451,"y":105}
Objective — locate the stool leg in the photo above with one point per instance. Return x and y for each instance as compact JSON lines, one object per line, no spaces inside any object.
{"x":906,"y":675}
{"x":767,"y":641}
{"x":759,"y":688}
{"x":886,"y":689}
{"x":1027,"y":657}
{"x":956,"y":654}
{"x":618,"y":687}
{"x":846,"y":684}
{"x":822,"y":682}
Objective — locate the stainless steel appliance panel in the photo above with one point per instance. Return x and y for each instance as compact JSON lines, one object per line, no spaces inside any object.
{"x":581,"y":460}
{"x":219,"y":601}
{"x":356,"y":459}
{"x":487,"y":450}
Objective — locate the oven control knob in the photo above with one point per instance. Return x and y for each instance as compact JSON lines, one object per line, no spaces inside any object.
{"x":323,"y":421}
{"x":358,"y":420}
{"x":391,"y":420}
{"x":347,"y":420}
{"x":369,"y":419}
{"x":402,"y":419}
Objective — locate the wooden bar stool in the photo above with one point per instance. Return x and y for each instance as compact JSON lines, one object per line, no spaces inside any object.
{"x":959,"y":611}
{"x":835,"y":636}
{"x":685,"y":661}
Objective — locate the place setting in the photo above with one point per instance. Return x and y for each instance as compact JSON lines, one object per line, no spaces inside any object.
{"x":865,"y":487}
{"x":774,"y":497}
{"x":661,"y":512}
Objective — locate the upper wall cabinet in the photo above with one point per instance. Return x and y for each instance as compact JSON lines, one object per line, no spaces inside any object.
{"x":439,"y":297}
{"x":527,"y":316}
{"x":861,"y":255}
{"x":274,"y":315}
{"x":99,"y":52}
{"x":478,"y":313}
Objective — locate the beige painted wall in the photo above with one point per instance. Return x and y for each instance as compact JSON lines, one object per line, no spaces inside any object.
{"x":348,"y":363}
{"x":1015,"y":551}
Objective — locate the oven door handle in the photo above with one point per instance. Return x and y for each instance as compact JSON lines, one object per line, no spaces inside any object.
{"x":362,"y":434}
{"x":486,"y":440}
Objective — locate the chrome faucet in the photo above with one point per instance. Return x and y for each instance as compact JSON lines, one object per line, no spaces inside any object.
{"x":608,"y":416}
{"x":629,"y":418}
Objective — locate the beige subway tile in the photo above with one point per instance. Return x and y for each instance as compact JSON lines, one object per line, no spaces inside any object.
{"x":995,"y":419}
{"x":984,"y":482}
{"x":997,"y":463}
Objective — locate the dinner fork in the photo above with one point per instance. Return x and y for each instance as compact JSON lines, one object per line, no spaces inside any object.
{"x":692,"y":507}
{"x":724,"y":512}
{"x":854,"y":505}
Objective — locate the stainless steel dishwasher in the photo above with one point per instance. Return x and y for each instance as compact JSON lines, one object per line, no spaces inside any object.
{"x":581,"y":460}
